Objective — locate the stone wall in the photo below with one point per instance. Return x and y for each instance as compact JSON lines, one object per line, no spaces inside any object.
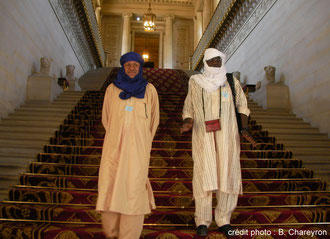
{"x":294,"y":37}
{"x":29,"y":31}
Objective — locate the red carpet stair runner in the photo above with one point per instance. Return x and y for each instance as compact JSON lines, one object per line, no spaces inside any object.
{"x":56,"y":198}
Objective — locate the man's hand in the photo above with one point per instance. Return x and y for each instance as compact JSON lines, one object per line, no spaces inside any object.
{"x":187,"y":125}
{"x":248,"y":137}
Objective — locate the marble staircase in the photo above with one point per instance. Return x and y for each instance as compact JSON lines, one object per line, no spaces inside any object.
{"x":306,"y":142}
{"x":24,"y":132}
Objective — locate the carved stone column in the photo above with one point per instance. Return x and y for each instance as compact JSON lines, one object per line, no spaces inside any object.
{"x":132,"y":40}
{"x":215,"y":4}
{"x":206,"y":13}
{"x":125,"y":45}
{"x":168,"y":42}
{"x":98,"y":15}
{"x":161,"y":43}
{"x":198,"y":28}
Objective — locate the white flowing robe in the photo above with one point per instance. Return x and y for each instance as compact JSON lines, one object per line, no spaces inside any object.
{"x":215,"y":169}
{"x":123,"y":185}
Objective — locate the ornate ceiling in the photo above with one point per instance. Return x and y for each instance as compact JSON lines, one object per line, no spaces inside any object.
{"x":178,"y":8}
{"x":176,"y":2}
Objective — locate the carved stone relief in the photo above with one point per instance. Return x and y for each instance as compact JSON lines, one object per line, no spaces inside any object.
{"x":112,"y":28}
{"x":248,"y":16}
{"x":68,"y":19}
{"x":182,"y":43}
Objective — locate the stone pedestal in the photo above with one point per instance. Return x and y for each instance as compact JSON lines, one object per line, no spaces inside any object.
{"x":74,"y":85}
{"x":273,"y":96}
{"x":278,"y":96}
{"x":42,"y":88}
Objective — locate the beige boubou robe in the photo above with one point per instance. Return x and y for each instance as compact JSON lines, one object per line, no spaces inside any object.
{"x":215,"y":170}
{"x":123,"y":185}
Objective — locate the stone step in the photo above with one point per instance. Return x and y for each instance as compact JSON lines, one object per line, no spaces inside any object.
{"x":311,"y":157}
{"x":319,"y":165}
{"x":33,"y":123}
{"x":17,"y":159}
{"x":72,"y":93}
{"x":325,"y":176}
{"x":40,"y":118}
{"x":267,"y":116}
{"x":4,"y":194}
{"x":66,"y":106}
{"x":263,"y":112}
{"x":6,"y":183}
{"x":71,"y":96}
{"x":39,"y":113}
{"x":21,"y":150}
{"x":252,"y":107}
{"x":38,"y":109}
{"x":31,"y":129}
{"x":297,"y":136}
{"x":279,"y":120}
{"x":289,"y":130}
{"x":12,"y":172}
{"x":316,"y":150}
{"x":25,"y":135}
{"x":23,"y":143}
{"x":297,"y":125}
{"x":305,"y":142}
{"x":64,"y":101}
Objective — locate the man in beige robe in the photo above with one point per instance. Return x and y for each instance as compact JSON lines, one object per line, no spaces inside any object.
{"x":216,"y":154}
{"x":130,"y":117}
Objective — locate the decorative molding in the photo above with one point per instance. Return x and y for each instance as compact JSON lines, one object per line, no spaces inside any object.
{"x":90,"y":13}
{"x":179,"y":2}
{"x":216,"y":21}
{"x":81,"y":30}
{"x":234,"y":28}
{"x":253,"y":20}
{"x":74,"y":36}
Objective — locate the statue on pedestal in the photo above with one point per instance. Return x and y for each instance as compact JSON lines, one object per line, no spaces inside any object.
{"x":73,"y":81}
{"x":270,"y":94}
{"x":45,"y":65}
{"x":269,"y":77}
{"x":41,"y":86}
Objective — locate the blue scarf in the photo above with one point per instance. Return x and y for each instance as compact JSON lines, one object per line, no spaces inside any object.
{"x":131,"y":86}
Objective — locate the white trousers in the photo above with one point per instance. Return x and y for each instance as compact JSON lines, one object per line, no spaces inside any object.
{"x":122,"y":226}
{"x":226,"y":204}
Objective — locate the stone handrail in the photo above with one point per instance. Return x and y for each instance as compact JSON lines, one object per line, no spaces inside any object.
{"x":78,"y":21}
{"x":248,"y":14}
{"x":216,"y":21}
{"x":90,"y":13}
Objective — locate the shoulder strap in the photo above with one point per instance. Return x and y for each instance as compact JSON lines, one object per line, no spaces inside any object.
{"x":231,"y":82}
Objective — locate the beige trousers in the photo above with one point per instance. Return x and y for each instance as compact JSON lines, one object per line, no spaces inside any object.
{"x":122,"y":226}
{"x":226,"y":204}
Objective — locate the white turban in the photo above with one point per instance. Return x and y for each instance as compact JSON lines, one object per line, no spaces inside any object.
{"x":213,"y":77}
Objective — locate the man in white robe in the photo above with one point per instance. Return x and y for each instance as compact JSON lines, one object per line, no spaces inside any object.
{"x":216,"y":154}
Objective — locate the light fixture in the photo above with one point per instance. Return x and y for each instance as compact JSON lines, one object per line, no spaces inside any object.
{"x":145,"y":57}
{"x":149,"y":20}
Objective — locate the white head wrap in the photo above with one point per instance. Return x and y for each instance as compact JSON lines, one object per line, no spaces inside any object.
{"x":213,"y":77}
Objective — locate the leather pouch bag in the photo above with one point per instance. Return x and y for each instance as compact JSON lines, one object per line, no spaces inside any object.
{"x":212,"y":125}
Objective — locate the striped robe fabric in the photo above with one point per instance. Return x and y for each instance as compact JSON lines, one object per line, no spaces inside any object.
{"x":216,"y":166}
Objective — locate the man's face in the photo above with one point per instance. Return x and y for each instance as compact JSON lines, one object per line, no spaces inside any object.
{"x":132,"y":68}
{"x":214,"y":62}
